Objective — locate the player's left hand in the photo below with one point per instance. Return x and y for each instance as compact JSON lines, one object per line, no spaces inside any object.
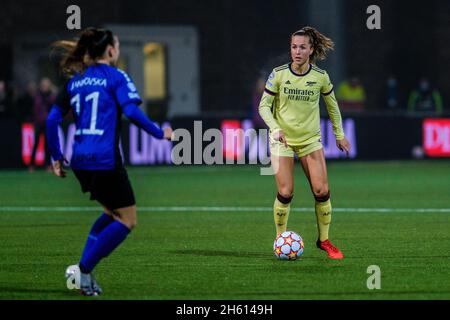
{"x":343,"y":145}
{"x":168,"y":133}
{"x":58,"y":168}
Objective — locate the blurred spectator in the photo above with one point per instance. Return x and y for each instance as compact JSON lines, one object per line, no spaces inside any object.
{"x":351,"y":95}
{"x":43,"y":100}
{"x":5,"y":101}
{"x":258,"y":90}
{"x":425,"y":98}
{"x":25,"y":103}
{"x":392,"y":93}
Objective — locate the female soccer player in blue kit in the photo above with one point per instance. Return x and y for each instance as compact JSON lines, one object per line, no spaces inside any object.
{"x":98,"y":93}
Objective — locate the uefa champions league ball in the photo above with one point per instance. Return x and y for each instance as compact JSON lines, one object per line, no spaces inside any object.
{"x":288,"y":246}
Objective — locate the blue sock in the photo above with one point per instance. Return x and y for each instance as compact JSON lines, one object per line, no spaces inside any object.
{"x":101,"y":223}
{"x":108,"y":240}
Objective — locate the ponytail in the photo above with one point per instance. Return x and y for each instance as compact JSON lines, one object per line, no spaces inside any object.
{"x":78,"y":54}
{"x":318,"y":41}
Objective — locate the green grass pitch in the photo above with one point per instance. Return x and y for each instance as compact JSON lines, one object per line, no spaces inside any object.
{"x":203,"y":253}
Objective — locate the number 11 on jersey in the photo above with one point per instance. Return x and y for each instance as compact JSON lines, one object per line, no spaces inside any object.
{"x":75,"y":102}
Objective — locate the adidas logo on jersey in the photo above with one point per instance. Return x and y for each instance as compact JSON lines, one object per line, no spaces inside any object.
{"x":287,"y":82}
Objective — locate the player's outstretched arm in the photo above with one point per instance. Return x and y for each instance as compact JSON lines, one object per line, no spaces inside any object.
{"x":54,"y":119}
{"x":137,"y":117}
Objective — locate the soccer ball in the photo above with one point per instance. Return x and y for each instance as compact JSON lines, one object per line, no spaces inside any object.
{"x":288,"y":246}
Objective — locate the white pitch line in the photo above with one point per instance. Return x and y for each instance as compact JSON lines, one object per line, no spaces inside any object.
{"x":220,"y":209}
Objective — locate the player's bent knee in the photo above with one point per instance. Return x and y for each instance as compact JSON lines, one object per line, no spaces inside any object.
{"x":284,"y":199}
{"x":127,"y":216}
{"x":286,"y":191}
{"x":131,"y":221}
{"x":128,"y":222}
{"x":132,"y":224}
{"x":321,"y":195}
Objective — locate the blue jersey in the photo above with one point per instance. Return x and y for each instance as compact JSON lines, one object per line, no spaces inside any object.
{"x":97,"y":98}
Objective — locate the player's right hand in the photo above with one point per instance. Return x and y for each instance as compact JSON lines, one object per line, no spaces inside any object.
{"x":58,"y":168}
{"x":168,"y":133}
{"x":343,"y":145}
{"x":279,"y":136}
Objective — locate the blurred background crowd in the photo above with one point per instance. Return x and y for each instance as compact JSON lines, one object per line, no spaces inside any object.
{"x":210,"y":59}
{"x":399,"y":68}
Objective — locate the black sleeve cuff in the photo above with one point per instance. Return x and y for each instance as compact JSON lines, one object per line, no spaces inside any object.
{"x":327,"y":93}
{"x":269,"y":92}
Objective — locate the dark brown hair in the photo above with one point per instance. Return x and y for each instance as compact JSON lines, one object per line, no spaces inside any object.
{"x":318,"y":41}
{"x":77,"y":54}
